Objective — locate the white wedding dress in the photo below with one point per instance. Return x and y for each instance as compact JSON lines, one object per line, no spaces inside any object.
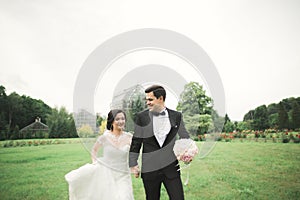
{"x":107,"y":179}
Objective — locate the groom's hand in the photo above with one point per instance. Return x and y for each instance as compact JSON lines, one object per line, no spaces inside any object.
{"x":136,"y":171}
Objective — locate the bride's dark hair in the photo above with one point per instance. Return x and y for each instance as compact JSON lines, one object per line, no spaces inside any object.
{"x":111,"y":118}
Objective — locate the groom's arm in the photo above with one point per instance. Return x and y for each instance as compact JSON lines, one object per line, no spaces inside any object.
{"x":135,"y":148}
{"x":134,"y":151}
{"x":136,"y":143}
{"x":134,"y":155}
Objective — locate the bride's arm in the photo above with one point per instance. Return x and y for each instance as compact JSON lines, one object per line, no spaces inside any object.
{"x":94,"y":152}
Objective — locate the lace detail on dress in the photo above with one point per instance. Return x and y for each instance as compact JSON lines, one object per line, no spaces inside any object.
{"x":117,"y":141}
{"x":114,"y":150}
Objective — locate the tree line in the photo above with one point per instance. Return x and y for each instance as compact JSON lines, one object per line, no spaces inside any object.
{"x":200,"y":117}
{"x":282,"y":115}
{"x":17,"y":112}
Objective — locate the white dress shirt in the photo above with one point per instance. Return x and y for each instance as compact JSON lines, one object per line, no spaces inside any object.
{"x":161,"y":127}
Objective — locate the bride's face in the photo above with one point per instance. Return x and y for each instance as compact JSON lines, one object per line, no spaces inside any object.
{"x":119,"y":122}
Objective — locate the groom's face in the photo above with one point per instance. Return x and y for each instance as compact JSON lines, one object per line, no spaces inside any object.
{"x":153,"y":103}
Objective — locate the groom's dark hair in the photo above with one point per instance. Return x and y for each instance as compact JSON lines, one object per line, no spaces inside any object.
{"x":157,"y":91}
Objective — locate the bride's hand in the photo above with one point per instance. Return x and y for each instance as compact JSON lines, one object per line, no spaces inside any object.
{"x":94,"y":161}
{"x":136,"y":171}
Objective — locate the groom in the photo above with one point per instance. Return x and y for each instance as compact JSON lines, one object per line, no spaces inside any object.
{"x":155,"y":132}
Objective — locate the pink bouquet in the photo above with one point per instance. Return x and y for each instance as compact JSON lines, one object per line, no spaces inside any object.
{"x":185,"y":150}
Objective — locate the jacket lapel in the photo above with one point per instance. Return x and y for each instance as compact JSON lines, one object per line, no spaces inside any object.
{"x":150,"y":130}
{"x":174,"y":126}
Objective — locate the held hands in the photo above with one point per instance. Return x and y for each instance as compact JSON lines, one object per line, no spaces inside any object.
{"x":135,"y":170}
{"x":94,"y":159}
{"x":94,"y":162}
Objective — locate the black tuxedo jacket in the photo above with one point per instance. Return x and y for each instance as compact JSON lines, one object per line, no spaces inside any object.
{"x":156,"y":159}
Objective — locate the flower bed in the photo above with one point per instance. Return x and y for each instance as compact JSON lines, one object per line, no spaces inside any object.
{"x":37,"y":142}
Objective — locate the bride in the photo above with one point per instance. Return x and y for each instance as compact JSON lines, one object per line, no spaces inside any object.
{"x":108,"y":178}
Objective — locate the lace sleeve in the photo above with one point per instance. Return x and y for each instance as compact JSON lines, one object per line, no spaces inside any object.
{"x":128,"y":137}
{"x":100,"y":140}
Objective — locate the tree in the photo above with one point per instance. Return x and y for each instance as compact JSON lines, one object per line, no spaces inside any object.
{"x":273,"y":120}
{"x":260,"y":120}
{"x":227,"y":120}
{"x":283,"y":119}
{"x":206,"y":124}
{"x":197,"y":109}
{"x":241,"y":126}
{"x":272,"y":108}
{"x":101,"y":123}
{"x":61,"y":124}
{"x":99,"y":120}
{"x":3,"y":113}
{"x":102,"y":126}
{"x":295,"y":115}
{"x":218,"y":121}
{"x":198,"y":124}
{"x":72,"y":132}
{"x":85,"y":131}
{"x":249,"y":116}
{"x":15,"y":133}
{"x":193,"y":100}
{"x":14,"y":106}
{"x":229,"y":127}
{"x":192,"y":123}
{"x":136,"y":104}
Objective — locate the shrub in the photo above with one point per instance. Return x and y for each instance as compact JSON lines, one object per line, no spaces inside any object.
{"x":29,"y":143}
{"x":285,"y":137}
{"x":296,"y":138}
{"x":201,"y":137}
{"x":36,"y":142}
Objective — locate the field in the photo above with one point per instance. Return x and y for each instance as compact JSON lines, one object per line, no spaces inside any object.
{"x":234,"y":170}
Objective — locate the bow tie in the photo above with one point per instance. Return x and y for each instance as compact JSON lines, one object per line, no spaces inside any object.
{"x":157,"y":113}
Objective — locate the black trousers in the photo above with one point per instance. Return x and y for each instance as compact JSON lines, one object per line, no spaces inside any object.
{"x":173,"y":186}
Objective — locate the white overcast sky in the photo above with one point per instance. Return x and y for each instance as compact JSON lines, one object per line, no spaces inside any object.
{"x":255,"y":44}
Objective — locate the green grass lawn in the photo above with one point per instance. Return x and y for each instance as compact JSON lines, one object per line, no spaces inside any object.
{"x":234,"y":170}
